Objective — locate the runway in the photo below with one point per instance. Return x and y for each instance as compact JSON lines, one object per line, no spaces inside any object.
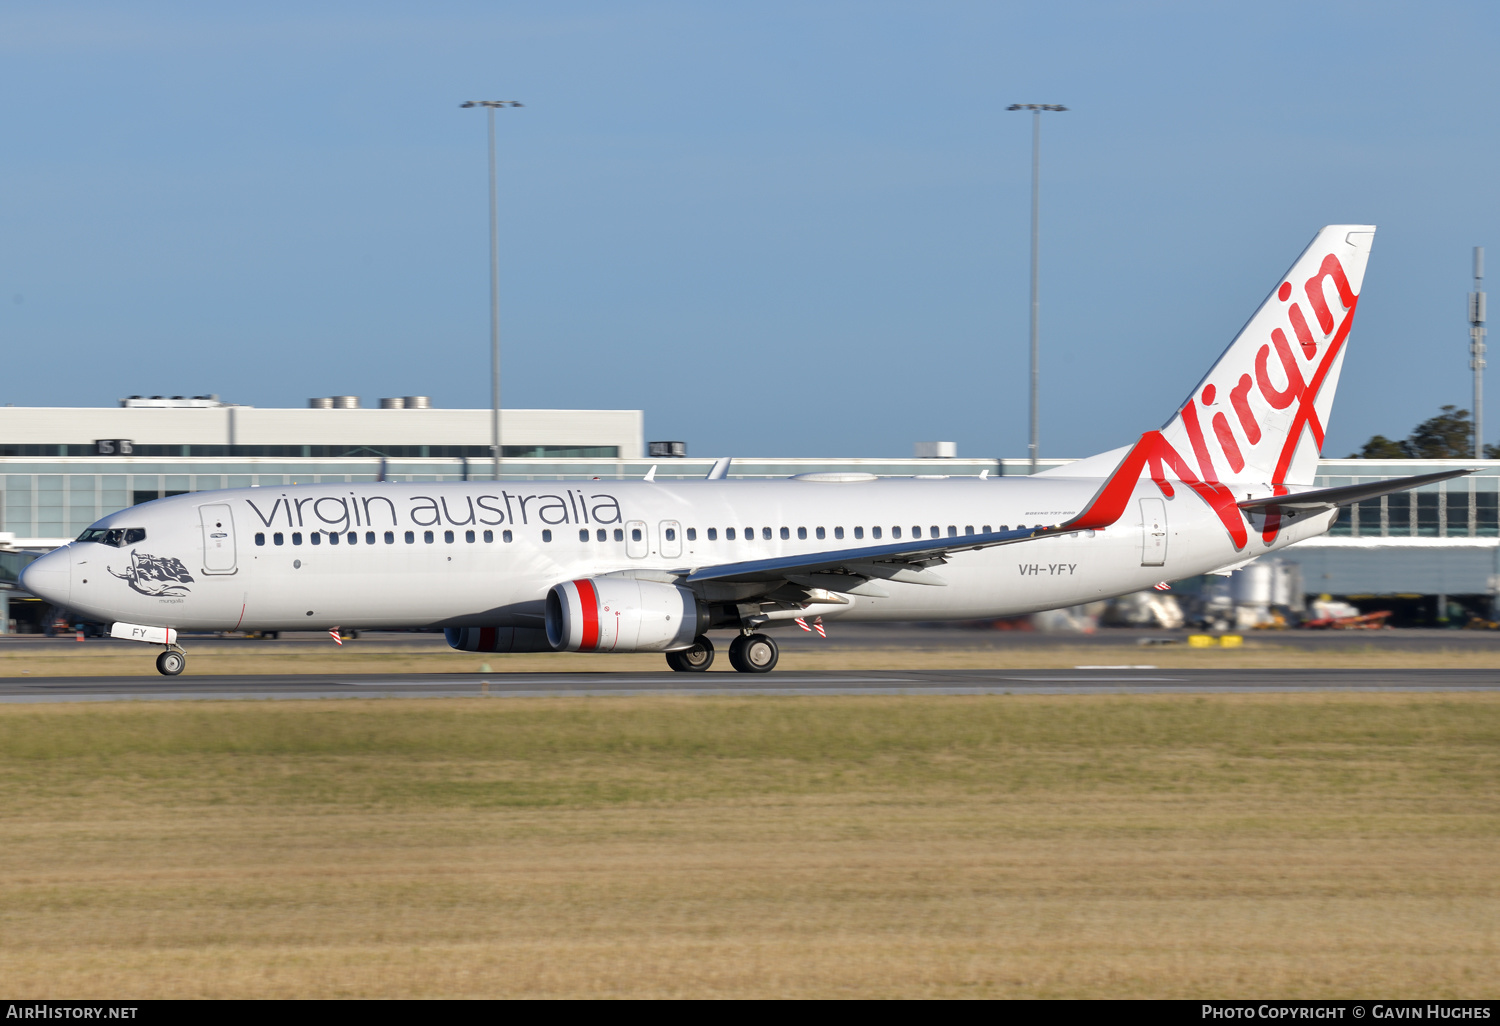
{"x":1135,"y":680}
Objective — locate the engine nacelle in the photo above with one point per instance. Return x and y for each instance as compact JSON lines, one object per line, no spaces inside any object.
{"x":623,"y":614}
{"x":497,"y":639}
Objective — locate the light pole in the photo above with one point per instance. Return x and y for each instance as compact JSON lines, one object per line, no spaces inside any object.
{"x":1036,"y":215}
{"x":1476,"y":349}
{"x":489,"y":107}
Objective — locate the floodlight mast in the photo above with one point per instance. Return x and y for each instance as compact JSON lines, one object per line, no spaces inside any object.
{"x":490,"y":107}
{"x":1034,"y":445}
{"x":1476,"y":349}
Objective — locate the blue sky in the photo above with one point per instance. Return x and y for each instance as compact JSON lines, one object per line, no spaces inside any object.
{"x":779,"y":228}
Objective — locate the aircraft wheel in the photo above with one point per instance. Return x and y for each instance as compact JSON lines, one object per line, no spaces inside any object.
{"x":170,"y":663}
{"x":753,"y":653}
{"x":693,"y":660}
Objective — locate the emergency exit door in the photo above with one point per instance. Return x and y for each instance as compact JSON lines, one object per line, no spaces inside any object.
{"x":218,"y":539}
{"x":1153,"y":532}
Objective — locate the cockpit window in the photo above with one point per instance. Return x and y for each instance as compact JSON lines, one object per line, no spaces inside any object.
{"x":114,"y":536}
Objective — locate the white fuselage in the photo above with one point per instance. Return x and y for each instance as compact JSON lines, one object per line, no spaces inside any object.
{"x":371,"y":555}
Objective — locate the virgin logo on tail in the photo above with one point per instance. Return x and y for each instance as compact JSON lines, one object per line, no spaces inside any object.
{"x":1258,"y":400}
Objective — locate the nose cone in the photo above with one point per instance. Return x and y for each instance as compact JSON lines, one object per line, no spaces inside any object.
{"x":50,"y":577}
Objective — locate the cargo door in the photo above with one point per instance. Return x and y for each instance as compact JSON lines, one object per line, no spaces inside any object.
{"x":218,"y":539}
{"x":637,"y":544}
{"x":671,"y":539}
{"x":1153,"y":532}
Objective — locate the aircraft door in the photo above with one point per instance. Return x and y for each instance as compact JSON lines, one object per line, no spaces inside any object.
{"x":1153,"y":532}
{"x":218,"y":539}
{"x":637,"y":543}
{"x":671,"y":538}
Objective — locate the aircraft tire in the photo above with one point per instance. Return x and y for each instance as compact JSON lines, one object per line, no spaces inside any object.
{"x":753,"y":653}
{"x":693,"y":660}
{"x":170,"y":663}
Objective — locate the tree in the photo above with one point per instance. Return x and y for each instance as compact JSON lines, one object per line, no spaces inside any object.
{"x":1380,"y":448}
{"x":1448,"y":436}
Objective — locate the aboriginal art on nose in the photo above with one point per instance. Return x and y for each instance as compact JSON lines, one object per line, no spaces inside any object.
{"x":1286,"y":376}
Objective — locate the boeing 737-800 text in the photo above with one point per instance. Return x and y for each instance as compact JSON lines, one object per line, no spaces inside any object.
{"x":654,"y":566}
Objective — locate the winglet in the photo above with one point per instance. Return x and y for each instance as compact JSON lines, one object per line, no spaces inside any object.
{"x":720,"y":469}
{"x":650,"y":474}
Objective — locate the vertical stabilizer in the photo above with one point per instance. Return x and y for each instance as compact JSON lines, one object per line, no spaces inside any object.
{"x":1260,"y":414}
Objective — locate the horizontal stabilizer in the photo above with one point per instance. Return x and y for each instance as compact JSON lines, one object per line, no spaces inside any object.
{"x":1328,"y":498}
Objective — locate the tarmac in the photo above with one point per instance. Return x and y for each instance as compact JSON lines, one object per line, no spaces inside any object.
{"x":1101,"y":680}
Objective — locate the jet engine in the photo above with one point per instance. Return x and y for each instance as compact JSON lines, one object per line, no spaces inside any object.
{"x":623,"y":614}
{"x":497,"y":639}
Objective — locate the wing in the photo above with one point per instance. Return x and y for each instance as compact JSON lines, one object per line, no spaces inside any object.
{"x":899,"y":561}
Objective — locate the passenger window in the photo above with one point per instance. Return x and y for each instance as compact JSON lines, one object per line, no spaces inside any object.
{"x":134,"y":534}
{"x":448,"y":537}
{"x":820,"y":533}
{"x":765,"y":532}
{"x":619,"y":535}
{"x":601,"y":535}
{"x":296,"y":537}
{"x":749,"y":534}
{"x":427,"y":537}
{"x":353,"y":537}
{"x":916,"y":531}
{"x":489,"y":536}
{"x":859,"y":532}
{"x":635,"y":533}
{"x":786,"y":534}
{"x":802,"y":534}
{"x":874,"y":532}
{"x":952,"y":531}
{"x":895,"y":532}
{"x":369,"y":537}
{"x":278,"y":538}
{"x":1005,"y":527}
{"x":729,"y":534}
{"x":411,"y":536}
{"x":260,"y":539}
{"x":671,"y":534}
{"x":692,"y":534}
{"x":546,"y":536}
{"x":469,"y":536}
{"x":315,"y":538}
{"x":838,"y":532}
{"x":390,"y":537}
{"x":333,"y":537}
{"x":968,"y":529}
{"x":713,"y":534}
{"x":986,"y":528}
{"x":935,"y":532}
{"x":505,"y":536}
{"x":583,"y":534}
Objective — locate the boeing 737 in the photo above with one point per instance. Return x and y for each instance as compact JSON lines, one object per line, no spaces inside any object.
{"x":655,"y":566}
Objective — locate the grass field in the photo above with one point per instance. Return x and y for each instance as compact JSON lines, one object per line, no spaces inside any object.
{"x":373,"y":657}
{"x":1242,"y":845}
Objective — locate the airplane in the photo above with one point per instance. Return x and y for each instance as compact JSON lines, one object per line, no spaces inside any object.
{"x":655,"y":566}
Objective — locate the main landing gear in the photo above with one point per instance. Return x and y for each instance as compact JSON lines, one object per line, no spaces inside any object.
{"x":171,"y":662}
{"x":693,"y":660}
{"x":748,"y":653}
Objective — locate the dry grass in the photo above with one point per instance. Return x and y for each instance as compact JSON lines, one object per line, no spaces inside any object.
{"x":373,"y":657}
{"x":1307,"y":846}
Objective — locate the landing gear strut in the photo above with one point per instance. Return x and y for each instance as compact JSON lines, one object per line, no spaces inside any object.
{"x":753,"y":653}
{"x":171,"y":662}
{"x":693,"y":660}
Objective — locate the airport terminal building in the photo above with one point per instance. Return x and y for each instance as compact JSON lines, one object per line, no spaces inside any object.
{"x":61,"y":469}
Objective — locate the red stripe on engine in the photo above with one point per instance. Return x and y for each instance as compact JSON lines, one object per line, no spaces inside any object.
{"x":588,"y":600}
{"x":486,"y":639}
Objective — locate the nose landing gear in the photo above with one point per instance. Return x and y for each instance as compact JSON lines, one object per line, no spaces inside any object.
{"x":171,"y":662}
